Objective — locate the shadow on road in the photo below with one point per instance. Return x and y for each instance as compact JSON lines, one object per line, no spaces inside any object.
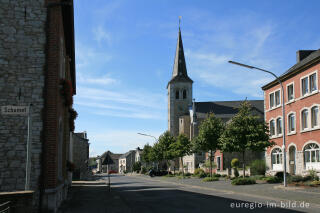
{"x":161,"y":199}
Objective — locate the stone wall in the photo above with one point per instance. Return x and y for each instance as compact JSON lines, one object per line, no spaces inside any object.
{"x":80,"y":156}
{"x":20,"y":201}
{"x":22,"y":63}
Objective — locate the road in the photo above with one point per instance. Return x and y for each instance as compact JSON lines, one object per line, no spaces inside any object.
{"x":148,"y":195}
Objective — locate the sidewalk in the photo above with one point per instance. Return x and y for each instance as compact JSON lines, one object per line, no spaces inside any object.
{"x":264,"y":191}
{"x":92,"y":196}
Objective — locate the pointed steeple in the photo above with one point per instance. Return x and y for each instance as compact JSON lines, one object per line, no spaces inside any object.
{"x":179,"y":68}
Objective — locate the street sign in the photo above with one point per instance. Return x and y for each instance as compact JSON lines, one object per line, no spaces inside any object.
{"x":14,"y":110}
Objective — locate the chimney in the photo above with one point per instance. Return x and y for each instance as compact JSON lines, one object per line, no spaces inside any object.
{"x":302,"y":54}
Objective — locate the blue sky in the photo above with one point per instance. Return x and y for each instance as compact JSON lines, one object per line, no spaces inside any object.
{"x":125,"y":52}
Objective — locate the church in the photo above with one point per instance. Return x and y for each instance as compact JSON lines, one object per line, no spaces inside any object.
{"x":185,"y":115}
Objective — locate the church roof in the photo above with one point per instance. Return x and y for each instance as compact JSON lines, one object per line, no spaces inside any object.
{"x":227,"y":107}
{"x":179,"y":68}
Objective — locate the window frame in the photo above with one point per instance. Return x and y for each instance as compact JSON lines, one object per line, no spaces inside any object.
{"x":308,"y":86}
{"x":289,"y":131}
{"x":317,"y":117}
{"x":311,"y":148}
{"x":301,"y":119}
{"x":281,"y":126}
{"x":277,"y":158}
{"x":293,"y":93}
{"x":274,"y":98}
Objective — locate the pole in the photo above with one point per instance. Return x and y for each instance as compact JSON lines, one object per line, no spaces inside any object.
{"x":283,"y":118}
{"x":109,"y":184}
{"x":28,"y":160}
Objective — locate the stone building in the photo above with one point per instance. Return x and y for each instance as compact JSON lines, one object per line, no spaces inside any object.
{"x":302,"y":121}
{"x":126,"y":161}
{"x":37,"y":68}
{"x":185,"y":115}
{"x":108,"y":162}
{"x":80,"y":144}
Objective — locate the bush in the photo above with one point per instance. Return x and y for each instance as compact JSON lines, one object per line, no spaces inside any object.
{"x":216,"y":175}
{"x":280,"y":175}
{"x":202,"y":175}
{"x":224,"y":175}
{"x":136,"y":166}
{"x":209,"y":179}
{"x":272,"y":179}
{"x":169,"y":175}
{"x":315,"y":182}
{"x":197,"y":171}
{"x":258,"y":177}
{"x":243,"y":181}
{"x":295,"y":178}
{"x":235,"y":163}
{"x":313,"y":174}
{"x":144,"y":170}
{"x":258,"y":167}
{"x":187,"y":174}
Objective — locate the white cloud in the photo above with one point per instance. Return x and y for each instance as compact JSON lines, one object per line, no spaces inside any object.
{"x":103,"y":80}
{"x":88,"y":56}
{"x":121,"y":140}
{"x":100,"y":34}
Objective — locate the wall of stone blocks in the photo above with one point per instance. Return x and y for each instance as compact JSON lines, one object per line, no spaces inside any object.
{"x":22,"y":64}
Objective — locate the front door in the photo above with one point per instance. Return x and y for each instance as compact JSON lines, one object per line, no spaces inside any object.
{"x":292,"y":160}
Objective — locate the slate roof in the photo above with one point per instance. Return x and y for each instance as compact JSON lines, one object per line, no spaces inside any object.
{"x":179,"y":68}
{"x":314,"y":55}
{"x":226,"y":107}
{"x":113,"y":156}
{"x":126,"y":154}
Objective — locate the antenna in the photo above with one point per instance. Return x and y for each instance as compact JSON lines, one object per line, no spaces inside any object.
{"x":179,"y":21}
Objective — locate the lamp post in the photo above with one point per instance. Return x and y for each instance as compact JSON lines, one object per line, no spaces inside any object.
{"x":155,"y":141}
{"x":147,"y":135}
{"x":283,"y":116}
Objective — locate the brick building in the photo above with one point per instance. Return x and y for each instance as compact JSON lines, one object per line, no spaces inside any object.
{"x":302,"y":127}
{"x":37,"y":66}
{"x":80,"y":149}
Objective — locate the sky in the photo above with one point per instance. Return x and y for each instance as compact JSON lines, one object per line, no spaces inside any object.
{"x":125,"y":52}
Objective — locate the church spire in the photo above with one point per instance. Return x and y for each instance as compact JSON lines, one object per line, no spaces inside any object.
{"x":179,"y":67}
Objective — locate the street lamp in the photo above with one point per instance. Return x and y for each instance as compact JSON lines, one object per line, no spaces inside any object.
{"x":283,"y":116}
{"x":152,"y":137}
{"x":147,"y":135}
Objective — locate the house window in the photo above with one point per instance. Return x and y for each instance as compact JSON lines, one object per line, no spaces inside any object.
{"x":279,"y":126}
{"x":304,"y":119}
{"x":275,"y":99}
{"x":271,"y":100}
{"x":313,"y":82}
{"x":219,"y":163}
{"x":312,"y":156}
{"x":272,"y":128}
{"x":177,"y":94}
{"x":314,"y":116}
{"x":290,"y":92}
{"x":184,"y":94}
{"x":291,"y":121}
{"x":276,"y":159}
{"x":304,"y":85}
{"x":309,"y":84}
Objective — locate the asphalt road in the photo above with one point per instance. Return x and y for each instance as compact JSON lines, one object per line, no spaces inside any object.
{"x":146,"y":195}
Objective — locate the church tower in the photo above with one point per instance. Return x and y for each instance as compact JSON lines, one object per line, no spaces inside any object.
{"x":179,"y":90}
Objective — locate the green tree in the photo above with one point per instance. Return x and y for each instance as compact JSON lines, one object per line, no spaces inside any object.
{"x":245,"y":132}
{"x":180,"y":147}
{"x":163,"y":147}
{"x":207,"y":140}
{"x":145,"y":155}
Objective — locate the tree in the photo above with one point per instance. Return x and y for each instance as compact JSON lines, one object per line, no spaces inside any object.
{"x":180,"y":147}
{"x":207,"y":140}
{"x":145,"y":155}
{"x":245,"y":132}
{"x":163,"y":147}
{"x":136,"y":166}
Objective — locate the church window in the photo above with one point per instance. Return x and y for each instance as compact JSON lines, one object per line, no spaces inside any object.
{"x":184,"y":95}
{"x":177,"y":94}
